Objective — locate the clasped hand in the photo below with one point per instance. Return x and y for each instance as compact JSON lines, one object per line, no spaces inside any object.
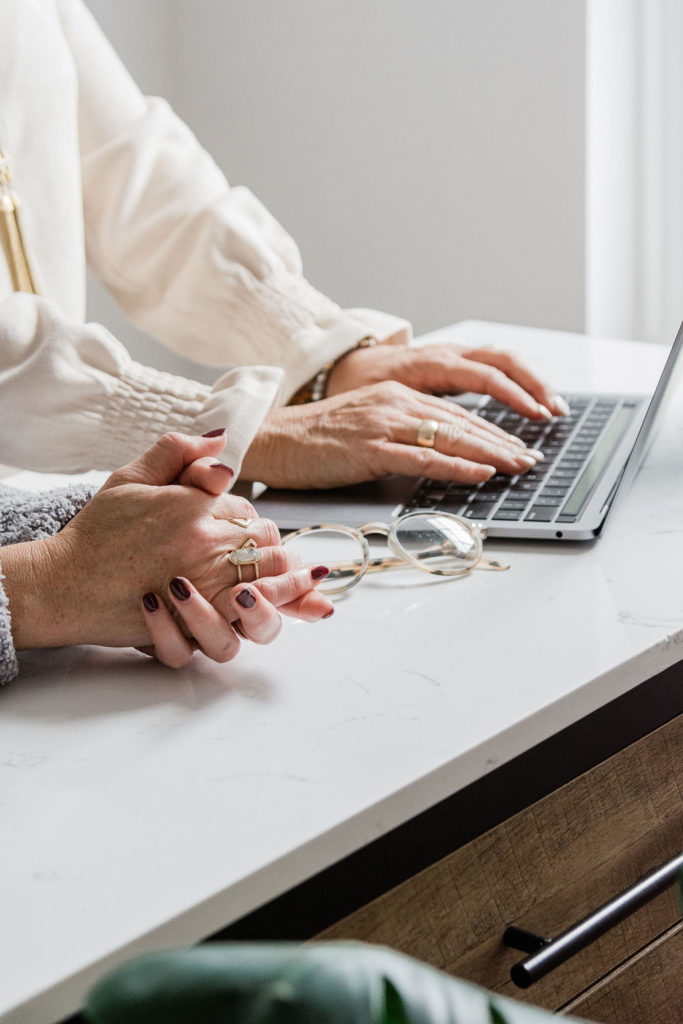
{"x":161,"y":520}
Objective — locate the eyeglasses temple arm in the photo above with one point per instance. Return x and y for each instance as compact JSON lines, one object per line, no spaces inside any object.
{"x":393,"y":562}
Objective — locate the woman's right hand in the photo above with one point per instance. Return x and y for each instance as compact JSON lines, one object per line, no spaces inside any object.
{"x":370,"y":432}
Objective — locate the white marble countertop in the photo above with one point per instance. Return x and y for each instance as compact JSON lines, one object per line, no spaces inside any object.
{"x":142,"y":808}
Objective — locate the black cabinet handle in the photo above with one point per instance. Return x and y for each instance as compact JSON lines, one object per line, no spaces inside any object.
{"x":546,"y":954}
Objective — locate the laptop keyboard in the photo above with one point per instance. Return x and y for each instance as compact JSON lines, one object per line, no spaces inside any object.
{"x":576,"y":448}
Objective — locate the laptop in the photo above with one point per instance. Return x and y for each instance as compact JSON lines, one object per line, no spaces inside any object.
{"x":590,"y":456}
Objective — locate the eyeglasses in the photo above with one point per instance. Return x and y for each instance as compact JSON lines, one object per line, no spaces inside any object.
{"x":435,"y":542}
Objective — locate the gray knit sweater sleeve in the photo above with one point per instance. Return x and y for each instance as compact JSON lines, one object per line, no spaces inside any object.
{"x":26,"y":516}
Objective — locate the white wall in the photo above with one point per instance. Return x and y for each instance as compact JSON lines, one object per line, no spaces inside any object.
{"x":634,"y":188}
{"x":427,"y":155}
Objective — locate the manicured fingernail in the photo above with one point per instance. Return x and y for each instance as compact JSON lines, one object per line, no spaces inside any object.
{"x":246,"y":599}
{"x":545,"y":413}
{"x":561,"y":405}
{"x":221,"y":465}
{"x":536,"y":454}
{"x":179,"y":589}
{"x":486,"y":472}
{"x":329,"y":614}
{"x":150,"y":602}
{"x":526,"y":460}
{"x":516,"y":440}
{"x":215,"y":433}
{"x":320,"y":572}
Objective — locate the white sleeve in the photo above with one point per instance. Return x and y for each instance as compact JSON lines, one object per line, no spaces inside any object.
{"x":200,"y":265}
{"x":72,"y":399}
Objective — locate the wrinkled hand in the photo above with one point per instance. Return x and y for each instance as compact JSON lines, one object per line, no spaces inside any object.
{"x":85,"y":584}
{"x":371,"y":432}
{"x":450,"y":369}
{"x":248,"y":611}
{"x":252,"y":612}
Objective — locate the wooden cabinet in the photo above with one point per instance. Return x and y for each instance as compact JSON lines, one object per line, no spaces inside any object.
{"x":544,"y":869}
{"x":647,"y":987}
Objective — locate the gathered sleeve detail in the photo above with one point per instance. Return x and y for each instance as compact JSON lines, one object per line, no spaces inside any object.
{"x":201,"y":265}
{"x":72,"y":399}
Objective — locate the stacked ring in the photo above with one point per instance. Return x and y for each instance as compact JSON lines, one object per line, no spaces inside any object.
{"x":246,"y":554}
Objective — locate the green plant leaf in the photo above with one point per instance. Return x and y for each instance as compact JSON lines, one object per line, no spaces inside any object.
{"x":285,"y":983}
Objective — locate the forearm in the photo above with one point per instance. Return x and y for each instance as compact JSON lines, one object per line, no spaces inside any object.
{"x":32,"y":589}
{"x":31,"y":597}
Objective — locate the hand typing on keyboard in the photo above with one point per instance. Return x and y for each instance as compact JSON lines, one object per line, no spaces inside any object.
{"x":450,"y":369}
{"x":541,"y":494}
{"x":378,"y":401}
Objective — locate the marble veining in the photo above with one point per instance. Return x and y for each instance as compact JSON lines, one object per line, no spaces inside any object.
{"x":148,"y":808}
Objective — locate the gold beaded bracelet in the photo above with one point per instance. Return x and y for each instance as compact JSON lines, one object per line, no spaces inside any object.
{"x":316,"y":388}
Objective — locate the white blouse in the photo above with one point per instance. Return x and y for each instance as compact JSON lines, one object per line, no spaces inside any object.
{"x":106,"y":175}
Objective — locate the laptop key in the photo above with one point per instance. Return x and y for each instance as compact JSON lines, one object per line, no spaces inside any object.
{"x":539,"y":515}
{"x":554,"y":492}
{"x":548,"y":501}
{"x":509,"y":514}
{"x":451,"y":502}
{"x":487,"y":497}
{"x":479,"y":511}
{"x":523,"y":485}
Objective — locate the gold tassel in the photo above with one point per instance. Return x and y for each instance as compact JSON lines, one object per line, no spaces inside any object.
{"x":12,"y":236}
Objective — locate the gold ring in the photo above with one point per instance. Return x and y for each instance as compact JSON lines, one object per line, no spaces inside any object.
{"x":426,"y":433}
{"x":246,"y":554}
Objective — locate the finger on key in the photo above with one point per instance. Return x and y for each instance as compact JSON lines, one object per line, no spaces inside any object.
{"x":455,"y":440}
{"x":441,"y":405}
{"x":517,"y":370}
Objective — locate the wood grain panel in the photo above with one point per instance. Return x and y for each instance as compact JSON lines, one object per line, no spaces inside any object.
{"x":647,"y":989}
{"x":543,"y":869}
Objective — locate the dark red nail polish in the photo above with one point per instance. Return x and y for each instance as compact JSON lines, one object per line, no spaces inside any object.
{"x":179,"y":589}
{"x":329,"y":614}
{"x":150,"y":602}
{"x":221,"y":465}
{"x":215,"y":433}
{"x":320,"y":572}
{"x":246,"y":599}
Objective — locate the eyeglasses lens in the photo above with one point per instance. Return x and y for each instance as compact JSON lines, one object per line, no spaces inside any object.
{"x":342,"y":554}
{"x":439,"y":543}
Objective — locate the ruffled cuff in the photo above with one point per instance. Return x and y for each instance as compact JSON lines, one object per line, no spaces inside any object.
{"x":146,"y":403}
{"x":333,"y":332}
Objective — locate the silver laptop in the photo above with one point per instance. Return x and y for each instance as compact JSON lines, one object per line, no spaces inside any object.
{"x":590,"y":456}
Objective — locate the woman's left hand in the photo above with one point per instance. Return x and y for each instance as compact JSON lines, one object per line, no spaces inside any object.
{"x":450,"y":369}
{"x":252,"y":612}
